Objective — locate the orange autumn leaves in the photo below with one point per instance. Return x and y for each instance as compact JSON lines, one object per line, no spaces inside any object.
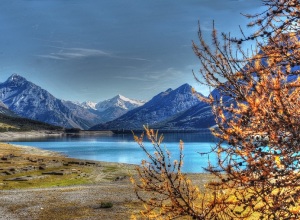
{"x":257,"y":112}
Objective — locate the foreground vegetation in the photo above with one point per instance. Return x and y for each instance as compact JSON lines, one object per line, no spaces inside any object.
{"x":257,"y":111}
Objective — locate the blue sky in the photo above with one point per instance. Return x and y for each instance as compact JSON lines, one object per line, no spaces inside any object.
{"x":95,"y":49}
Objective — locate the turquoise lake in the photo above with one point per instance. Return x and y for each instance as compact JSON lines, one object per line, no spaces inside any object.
{"x":122,"y":148}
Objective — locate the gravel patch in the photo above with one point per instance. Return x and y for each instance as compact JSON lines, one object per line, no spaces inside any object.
{"x":35,"y":203}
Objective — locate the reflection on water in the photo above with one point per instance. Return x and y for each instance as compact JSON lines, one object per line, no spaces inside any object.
{"x":121,"y":148}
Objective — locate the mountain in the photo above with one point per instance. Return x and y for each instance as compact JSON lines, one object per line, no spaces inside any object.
{"x":159,"y":108}
{"x":90,"y":115}
{"x":117,"y":106}
{"x":111,"y":109}
{"x":120,"y":102}
{"x":31,"y":101}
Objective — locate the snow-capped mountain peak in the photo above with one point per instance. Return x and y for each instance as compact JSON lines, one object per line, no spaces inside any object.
{"x":16,"y":78}
{"x":119,"y":101}
{"x":89,"y":105}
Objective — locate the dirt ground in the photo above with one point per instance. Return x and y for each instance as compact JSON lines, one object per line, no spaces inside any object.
{"x":71,"y":202}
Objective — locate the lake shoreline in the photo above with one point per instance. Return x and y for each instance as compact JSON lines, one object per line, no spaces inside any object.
{"x":108,"y":147}
{"x":13,"y":136}
{"x":49,"y":153}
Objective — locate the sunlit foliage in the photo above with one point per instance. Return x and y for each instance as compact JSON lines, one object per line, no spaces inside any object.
{"x":166,"y":192}
{"x":257,"y":113}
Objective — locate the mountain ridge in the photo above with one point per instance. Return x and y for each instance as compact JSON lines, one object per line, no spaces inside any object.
{"x":177,"y":109}
{"x":159,"y":108}
{"x":28,"y":100}
{"x":18,"y":96}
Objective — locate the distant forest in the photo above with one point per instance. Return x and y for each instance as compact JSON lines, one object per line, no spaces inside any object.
{"x":9,"y":123}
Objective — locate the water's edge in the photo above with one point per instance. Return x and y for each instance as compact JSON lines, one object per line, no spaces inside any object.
{"x":122,"y":148}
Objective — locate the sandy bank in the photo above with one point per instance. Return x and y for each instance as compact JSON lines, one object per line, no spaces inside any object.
{"x":10,"y":135}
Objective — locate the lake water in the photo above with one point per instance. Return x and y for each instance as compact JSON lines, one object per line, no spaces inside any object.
{"x":122,"y":148}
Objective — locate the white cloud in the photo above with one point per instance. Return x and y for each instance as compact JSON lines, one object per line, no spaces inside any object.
{"x":51,"y":56}
{"x":75,"y":53}
{"x":135,"y":58}
{"x":79,"y":53}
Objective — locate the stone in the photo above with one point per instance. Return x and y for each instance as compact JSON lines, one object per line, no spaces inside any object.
{"x":6,"y":172}
{"x":119,"y":178}
{"x":73,"y":162}
{"x":42,"y":167}
{"x":17,"y":179}
{"x":54,"y":173}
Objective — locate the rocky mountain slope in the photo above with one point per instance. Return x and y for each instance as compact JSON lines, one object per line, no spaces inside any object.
{"x":5,"y":111}
{"x":195,"y":118}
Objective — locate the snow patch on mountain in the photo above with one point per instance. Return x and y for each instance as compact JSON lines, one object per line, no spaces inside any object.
{"x":2,"y":105}
{"x":89,"y":105}
{"x":119,"y":101}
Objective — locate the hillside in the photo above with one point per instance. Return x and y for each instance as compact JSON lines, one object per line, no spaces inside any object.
{"x":9,"y":123}
{"x":197,"y":117}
